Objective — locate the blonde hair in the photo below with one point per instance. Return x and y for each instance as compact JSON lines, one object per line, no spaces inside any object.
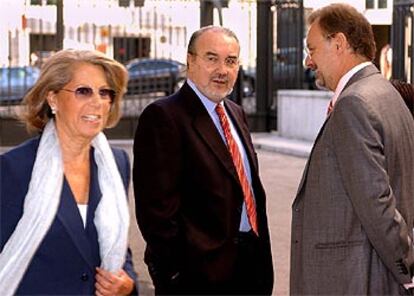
{"x":58,"y":71}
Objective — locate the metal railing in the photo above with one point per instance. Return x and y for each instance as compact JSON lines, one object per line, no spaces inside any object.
{"x":402,"y":40}
{"x":156,"y":31}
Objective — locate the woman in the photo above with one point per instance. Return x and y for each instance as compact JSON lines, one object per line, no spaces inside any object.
{"x":64,"y":212}
{"x":406,"y":91}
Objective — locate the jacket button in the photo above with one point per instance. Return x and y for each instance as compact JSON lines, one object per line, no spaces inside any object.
{"x":84,"y":277}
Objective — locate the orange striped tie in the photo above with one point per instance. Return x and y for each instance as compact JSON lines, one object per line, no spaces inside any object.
{"x":238,"y":163}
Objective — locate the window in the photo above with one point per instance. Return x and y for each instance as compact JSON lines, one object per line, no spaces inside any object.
{"x":376,"y":4}
{"x":128,"y":48}
{"x":382,"y":4}
{"x":125,"y":3}
{"x":39,"y":2}
{"x":369,"y":4}
{"x":139,"y":3}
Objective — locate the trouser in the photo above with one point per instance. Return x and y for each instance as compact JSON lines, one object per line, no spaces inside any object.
{"x":248,"y":277}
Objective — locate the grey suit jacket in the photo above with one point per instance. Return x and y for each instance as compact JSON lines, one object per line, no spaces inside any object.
{"x":352,"y":218}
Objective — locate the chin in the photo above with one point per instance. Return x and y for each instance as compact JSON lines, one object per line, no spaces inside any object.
{"x":91,"y":133}
{"x":214,"y":96}
{"x":321,"y":85}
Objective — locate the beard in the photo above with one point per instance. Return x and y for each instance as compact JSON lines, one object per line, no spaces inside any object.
{"x":216,"y":93}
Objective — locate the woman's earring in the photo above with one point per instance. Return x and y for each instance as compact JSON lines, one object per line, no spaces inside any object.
{"x":53,"y":110}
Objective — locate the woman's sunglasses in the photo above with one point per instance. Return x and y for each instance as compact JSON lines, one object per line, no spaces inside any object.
{"x":86,"y":92}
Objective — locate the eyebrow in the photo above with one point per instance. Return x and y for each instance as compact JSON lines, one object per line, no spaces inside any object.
{"x":216,"y":55}
{"x":211,"y":53}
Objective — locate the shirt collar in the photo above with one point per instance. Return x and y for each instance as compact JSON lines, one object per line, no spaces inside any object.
{"x":344,"y":79}
{"x":208,"y":104}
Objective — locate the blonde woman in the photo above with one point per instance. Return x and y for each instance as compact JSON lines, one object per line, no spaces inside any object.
{"x":64,"y":212}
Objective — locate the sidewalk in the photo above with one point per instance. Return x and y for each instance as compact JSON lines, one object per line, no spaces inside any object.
{"x":272,"y":142}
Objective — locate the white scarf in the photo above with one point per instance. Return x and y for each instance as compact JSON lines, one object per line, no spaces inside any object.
{"x":42,"y":201}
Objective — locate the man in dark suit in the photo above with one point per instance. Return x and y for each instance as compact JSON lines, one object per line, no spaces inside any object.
{"x":352,"y":218}
{"x":200,"y":204}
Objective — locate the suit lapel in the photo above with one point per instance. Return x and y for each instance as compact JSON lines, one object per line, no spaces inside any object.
{"x":305,"y":171}
{"x":95,"y":193}
{"x":69,"y":215}
{"x":205,"y":127}
{"x":211,"y":137}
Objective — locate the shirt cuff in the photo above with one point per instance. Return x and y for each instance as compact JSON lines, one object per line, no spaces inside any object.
{"x":409,"y":285}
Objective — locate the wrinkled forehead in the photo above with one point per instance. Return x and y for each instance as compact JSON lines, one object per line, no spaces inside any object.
{"x":217,"y":41}
{"x":314,"y":34}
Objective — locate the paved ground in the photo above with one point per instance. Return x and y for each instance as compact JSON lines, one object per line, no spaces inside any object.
{"x":280,"y":174}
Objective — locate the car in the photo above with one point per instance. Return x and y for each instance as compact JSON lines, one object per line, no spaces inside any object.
{"x":287,"y":67}
{"x":150,"y":75}
{"x":15,"y":82}
{"x":288,"y":64}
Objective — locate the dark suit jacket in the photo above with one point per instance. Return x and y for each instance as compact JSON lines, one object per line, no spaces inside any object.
{"x":188,"y":197}
{"x":66,"y":259}
{"x":352,"y":218}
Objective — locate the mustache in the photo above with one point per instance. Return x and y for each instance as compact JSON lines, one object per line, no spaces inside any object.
{"x":221,"y":78}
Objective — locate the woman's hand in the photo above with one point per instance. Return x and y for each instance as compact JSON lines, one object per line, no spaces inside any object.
{"x":110,"y":284}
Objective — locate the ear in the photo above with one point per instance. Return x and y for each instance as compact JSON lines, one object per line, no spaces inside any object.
{"x":190,"y":59}
{"x":341,"y":42}
{"x":51,"y":99}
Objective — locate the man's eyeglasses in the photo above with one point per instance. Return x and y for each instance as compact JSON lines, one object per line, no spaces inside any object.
{"x":86,"y":92}
{"x":309,"y":51}
{"x":213,"y":60}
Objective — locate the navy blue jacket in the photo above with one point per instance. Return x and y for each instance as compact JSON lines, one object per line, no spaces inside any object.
{"x":66,"y":259}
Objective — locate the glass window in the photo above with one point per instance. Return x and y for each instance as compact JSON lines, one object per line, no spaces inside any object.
{"x":382,"y":3}
{"x":369,"y":4}
{"x":39,"y":2}
{"x":124,"y":3}
{"x":139,"y":3}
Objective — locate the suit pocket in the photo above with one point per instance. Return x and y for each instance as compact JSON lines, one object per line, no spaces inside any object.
{"x":339,"y":252}
{"x":339,"y":244}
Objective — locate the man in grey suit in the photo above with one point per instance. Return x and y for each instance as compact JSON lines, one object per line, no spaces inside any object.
{"x":352,"y":218}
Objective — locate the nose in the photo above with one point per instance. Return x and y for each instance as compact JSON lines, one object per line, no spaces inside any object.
{"x":222,"y":67}
{"x":95,"y":98}
{"x":308,"y":62}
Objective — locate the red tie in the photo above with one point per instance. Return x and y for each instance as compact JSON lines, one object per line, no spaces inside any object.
{"x":238,"y":163}
{"x":330,"y":107}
